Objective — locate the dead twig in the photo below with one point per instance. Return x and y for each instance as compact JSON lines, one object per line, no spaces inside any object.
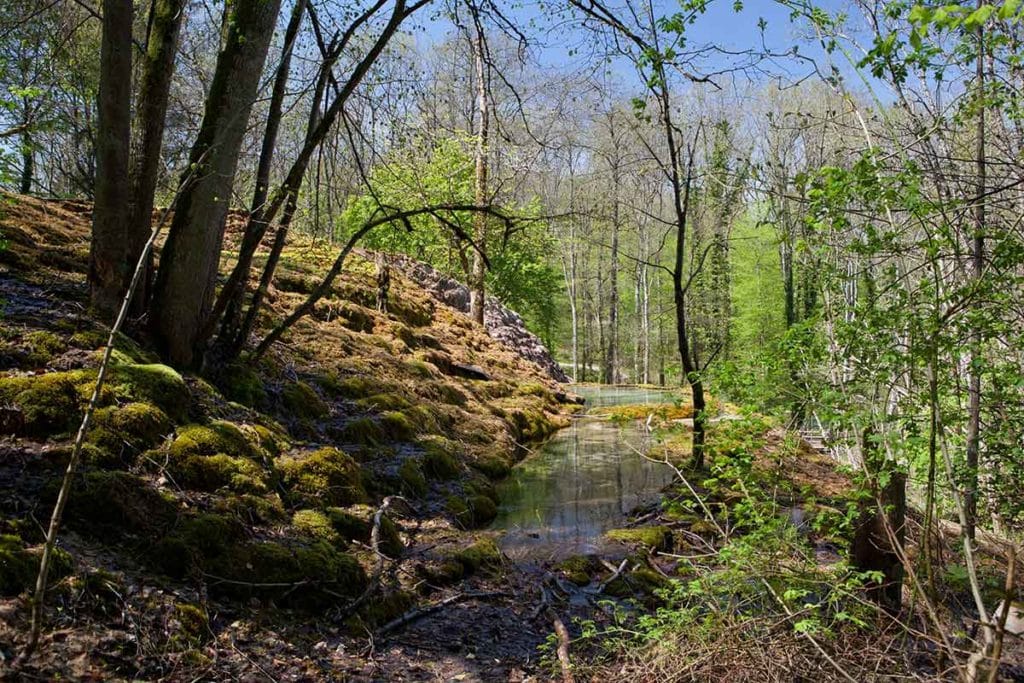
{"x":562,"y":633}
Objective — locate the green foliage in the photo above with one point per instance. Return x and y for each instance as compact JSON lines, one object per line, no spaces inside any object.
{"x":323,"y":477}
{"x":522,"y":273}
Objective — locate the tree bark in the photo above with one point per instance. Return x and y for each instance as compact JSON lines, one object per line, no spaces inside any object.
{"x":186,"y":280}
{"x":151,"y":113}
{"x":108,"y":267}
{"x":256,"y":226}
{"x":977,"y":269}
{"x":479,"y":273}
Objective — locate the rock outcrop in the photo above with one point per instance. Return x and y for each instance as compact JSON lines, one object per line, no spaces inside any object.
{"x":502,"y":323}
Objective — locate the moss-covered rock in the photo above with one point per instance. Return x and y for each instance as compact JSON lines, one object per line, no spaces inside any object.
{"x":153,"y":383}
{"x":650,"y":537}
{"x":213,"y":472}
{"x":363,"y":431}
{"x":316,"y":525}
{"x":19,"y":565}
{"x":50,"y":404}
{"x":411,"y":478}
{"x":472,"y":512}
{"x":484,"y":554}
{"x":327,"y":476}
{"x":638,"y":582}
{"x":302,"y":402}
{"x":133,"y":427}
{"x":580,"y":569}
{"x":493,"y":466}
{"x":439,"y":461}
{"x":216,"y":437}
{"x":106,"y":503}
{"x":189,"y":627}
{"x":356,"y":524}
{"x":241,"y":383}
{"x":396,"y":426}
{"x":290,"y":573}
{"x":41,"y":347}
{"x":382,"y":402}
{"x":382,"y":609}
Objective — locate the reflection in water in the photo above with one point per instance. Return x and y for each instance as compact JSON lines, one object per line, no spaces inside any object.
{"x":581,"y":483}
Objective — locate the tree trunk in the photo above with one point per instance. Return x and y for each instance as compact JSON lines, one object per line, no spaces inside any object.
{"x":27,"y":163}
{"x":977,"y":269}
{"x":256,"y":226}
{"x":188,"y":269}
{"x":476,"y":293}
{"x":165,"y":21}
{"x":108,"y":267}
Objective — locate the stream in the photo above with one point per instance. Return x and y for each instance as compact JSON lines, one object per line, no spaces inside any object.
{"x":582,"y":482}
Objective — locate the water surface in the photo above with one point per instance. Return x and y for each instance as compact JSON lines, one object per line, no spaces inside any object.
{"x":583,"y":481}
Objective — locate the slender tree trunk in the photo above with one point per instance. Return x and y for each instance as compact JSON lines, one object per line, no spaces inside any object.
{"x":27,"y":163}
{"x":165,"y":21}
{"x":186,"y":280}
{"x":476,"y":293}
{"x":977,"y":268}
{"x":108,"y":268}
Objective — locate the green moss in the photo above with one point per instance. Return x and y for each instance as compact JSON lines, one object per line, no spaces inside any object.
{"x":413,"y":483}
{"x":242,"y":384}
{"x":535,"y":389}
{"x":20,"y":565}
{"x":16,"y":567}
{"x":118,"y":502}
{"x":418,"y":368}
{"x":252,"y":509}
{"x":189,"y":627}
{"x":316,"y":525}
{"x":292,"y":574}
{"x":451,"y":394}
{"x":324,"y":477}
{"x":439,"y":461}
{"x":580,"y":568}
{"x":472,"y":512}
{"x":384,"y":608}
{"x":216,"y":437}
{"x":482,"y":555}
{"x":493,"y":466}
{"x":126,"y":347}
{"x":42,"y":347}
{"x":135,"y":426}
{"x":50,"y":404}
{"x":364,"y":431}
{"x":302,"y":401}
{"x":651,"y":537}
{"x":381,"y":402}
{"x":637,"y":582}
{"x":356,"y":523}
{"x":153,"y":383}
{"x":396,"y":426}
{"x":213,"y":472}
{"x":356,"y":387}
{"x":703,"y":527}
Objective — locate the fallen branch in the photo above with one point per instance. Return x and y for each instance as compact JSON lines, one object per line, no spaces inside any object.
{"x":616,"y":572}
{"x":420,"y":612}
{"x":562,"y":633}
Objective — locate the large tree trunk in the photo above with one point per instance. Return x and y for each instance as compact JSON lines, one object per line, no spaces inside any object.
{"x":256,"y":227}
{"x":108,"y":266}
{"x":185,"y":283}
{"x":476,"y":293}
{"x":165,"y":21}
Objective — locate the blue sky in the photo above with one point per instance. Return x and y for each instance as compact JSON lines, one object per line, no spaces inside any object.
{"x":561,"y":47}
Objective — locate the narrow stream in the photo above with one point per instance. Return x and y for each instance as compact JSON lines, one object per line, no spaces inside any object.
{"x":583,"y":481}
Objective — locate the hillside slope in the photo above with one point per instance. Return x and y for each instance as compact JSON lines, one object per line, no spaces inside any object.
{"x":204,"y":502}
